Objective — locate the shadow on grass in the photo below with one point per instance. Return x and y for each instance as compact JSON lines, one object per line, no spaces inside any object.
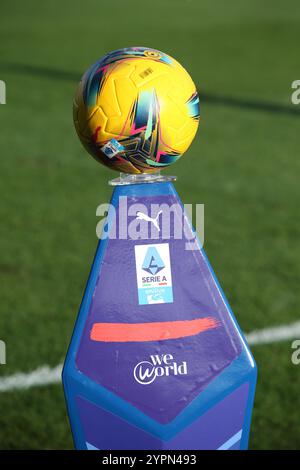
{"x":220,"y":100}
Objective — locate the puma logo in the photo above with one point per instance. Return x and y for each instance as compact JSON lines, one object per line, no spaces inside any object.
{"x":154,"y":221}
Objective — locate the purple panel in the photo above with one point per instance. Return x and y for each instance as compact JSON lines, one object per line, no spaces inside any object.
{"x":195,"y":296}
{"x":105,"y":431}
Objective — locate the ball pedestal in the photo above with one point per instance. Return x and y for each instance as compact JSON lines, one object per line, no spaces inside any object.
{"x":157,"y":360}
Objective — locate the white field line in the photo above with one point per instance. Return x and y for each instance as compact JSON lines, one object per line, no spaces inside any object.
{"x":274,"y":334}
{"x":40,"y":376}
{"x":45,"y":375}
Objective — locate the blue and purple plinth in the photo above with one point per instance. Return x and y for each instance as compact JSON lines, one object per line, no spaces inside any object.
{"x":157,"y":359}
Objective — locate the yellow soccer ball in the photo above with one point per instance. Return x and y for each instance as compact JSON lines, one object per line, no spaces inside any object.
{"x":136,"y":110}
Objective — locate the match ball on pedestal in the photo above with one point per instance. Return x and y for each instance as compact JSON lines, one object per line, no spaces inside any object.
{"x":136,"y":110}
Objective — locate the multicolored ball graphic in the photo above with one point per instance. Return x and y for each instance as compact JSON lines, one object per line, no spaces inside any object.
{"x":136,"y":110}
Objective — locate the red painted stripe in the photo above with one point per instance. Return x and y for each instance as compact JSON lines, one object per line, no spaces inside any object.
{"x":156,"y":331}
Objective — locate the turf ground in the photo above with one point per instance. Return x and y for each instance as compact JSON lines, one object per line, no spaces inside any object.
{"x":243,"y":165}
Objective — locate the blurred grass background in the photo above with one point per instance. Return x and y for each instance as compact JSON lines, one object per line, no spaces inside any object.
{"x":243,"y":166}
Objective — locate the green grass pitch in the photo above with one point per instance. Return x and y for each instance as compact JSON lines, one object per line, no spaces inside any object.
{"x":243,"y":165}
